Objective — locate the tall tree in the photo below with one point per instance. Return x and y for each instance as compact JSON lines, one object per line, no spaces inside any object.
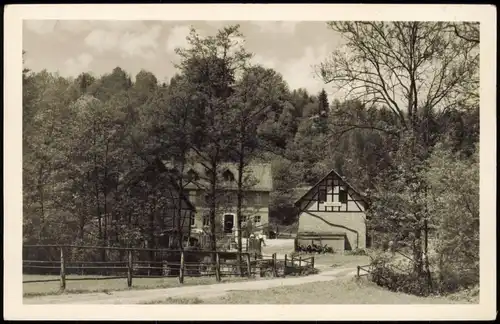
{"x":420,"y":71}
{"x":410,"y":67}
{"x":174,"y":129}
{"x":45,"y":114}
{"x":110,"y":84}
{"x":453,"y":201}
{"x":211,"y":65}
{"x":84,"y":81}
{"x":255,"y":96}
{"x":323,"y":105}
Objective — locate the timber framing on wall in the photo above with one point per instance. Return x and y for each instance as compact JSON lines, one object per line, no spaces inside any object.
{"x":324,"y":189}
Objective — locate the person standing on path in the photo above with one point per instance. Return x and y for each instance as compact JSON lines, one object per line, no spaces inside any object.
{"x":261,"y":239}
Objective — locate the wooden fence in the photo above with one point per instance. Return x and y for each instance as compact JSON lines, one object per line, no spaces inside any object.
{"x":101,"y":263}
{"x":366,"y":269}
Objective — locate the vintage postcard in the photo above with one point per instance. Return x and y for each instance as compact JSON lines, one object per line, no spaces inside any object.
{"x":250,"y":162}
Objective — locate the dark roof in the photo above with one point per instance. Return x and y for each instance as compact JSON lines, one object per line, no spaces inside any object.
{"x":321,"y":180}
{"x":259,"y":175}
{"x":158,"y":167}
{"x":162,"y":168}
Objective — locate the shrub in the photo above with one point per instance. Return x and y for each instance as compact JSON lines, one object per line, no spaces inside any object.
{"x":409,"y":283}
{"x":314,"y":248}
{"x":356,"y":252}
{"x":470,"y":295}
{"x":398,"y":277}
{"x":451,"y":277}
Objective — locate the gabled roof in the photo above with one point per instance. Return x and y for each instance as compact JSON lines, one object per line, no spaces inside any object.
{"x":326,"y":176}
{"x":160,"y":168}
{"x":257,"y":176}
{"x":299,"y":192}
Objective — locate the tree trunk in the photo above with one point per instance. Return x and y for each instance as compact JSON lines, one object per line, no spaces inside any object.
{"x":42,"y":205}
{"x":213,"y":192}
{"x":105,"y":193}
{"x":178,"y":214}
{"x":417,"y":253}
{"x":99,"y":220}
{"x":241,"y":166}
{"x":42,"y":216}
{"x":96,"y":188}
{"x":426,"y":254}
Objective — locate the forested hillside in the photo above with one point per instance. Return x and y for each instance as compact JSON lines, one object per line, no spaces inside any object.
{"x":403,"y":126}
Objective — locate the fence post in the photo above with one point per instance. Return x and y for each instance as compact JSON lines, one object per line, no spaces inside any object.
{"x":63,"y":270}
{"x":217,"y":267}
{"x":249,"y":265}
{"x":284,"y":269}
{"x":300,"y":265}
{"x":312,"y":262}
{"x":129,"y":268}
{"x":181,"y":269}
{"x":275,"y":271}
{"x":240,"y":268}
{"x":357,"y":275}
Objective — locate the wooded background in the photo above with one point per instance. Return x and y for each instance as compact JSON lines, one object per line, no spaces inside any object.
{"x":404,"y":128}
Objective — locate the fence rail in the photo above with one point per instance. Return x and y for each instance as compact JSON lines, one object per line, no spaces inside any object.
{"x":365,"y":268}
{"x":66,"y":261}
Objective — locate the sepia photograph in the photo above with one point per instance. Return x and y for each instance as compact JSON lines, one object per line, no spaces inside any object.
{"x":237,"y":161}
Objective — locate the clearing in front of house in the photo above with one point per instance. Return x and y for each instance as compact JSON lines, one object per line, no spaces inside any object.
{"x":347,"y":290}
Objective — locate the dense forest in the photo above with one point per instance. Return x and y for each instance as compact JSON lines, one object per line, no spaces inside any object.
{"x":404,"y":129}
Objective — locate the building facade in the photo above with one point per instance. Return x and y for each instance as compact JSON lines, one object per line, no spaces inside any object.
{"x":332,"y":213}
{"x":257,"y":185}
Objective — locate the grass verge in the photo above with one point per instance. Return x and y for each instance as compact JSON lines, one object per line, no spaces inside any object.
{"x":106,"y":285}
{"x":340,"y":291}
{"x":103,"y":286}
{"x":188,"y":300}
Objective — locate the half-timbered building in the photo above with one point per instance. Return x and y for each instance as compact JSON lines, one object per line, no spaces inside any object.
{"x":332,"y":213}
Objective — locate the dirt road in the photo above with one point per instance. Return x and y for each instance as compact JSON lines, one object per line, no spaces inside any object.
{"x":202,"y":291}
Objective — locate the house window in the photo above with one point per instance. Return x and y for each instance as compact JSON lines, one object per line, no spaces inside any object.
{"x":243,"y":218}
{"x":343,"y":196}
{"x":258,"y":198}
{"x":206,"y":220}
{"x":322,"y":195}
{"x":192,"y":196}
{"x":230,"y":198}
{"x":192,"y":219}
{"x":228,"y":176}
{"x":192,"y":175}
{"x":256,"y":219}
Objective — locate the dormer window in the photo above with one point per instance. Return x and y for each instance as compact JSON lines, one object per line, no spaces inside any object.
{"x":228,"y":176}
{"x":192,"y":175}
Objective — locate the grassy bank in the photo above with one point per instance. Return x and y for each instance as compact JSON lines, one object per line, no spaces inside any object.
{"x":103,"y":285}
{"x":341,"y":291}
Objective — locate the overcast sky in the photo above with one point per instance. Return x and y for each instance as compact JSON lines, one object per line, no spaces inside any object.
{"x":74,"y":46}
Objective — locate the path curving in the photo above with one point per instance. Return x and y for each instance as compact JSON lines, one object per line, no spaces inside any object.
{"x":201,"y":291}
